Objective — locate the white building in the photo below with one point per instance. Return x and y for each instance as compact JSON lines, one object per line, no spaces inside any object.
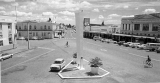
{"x":7,"y":30}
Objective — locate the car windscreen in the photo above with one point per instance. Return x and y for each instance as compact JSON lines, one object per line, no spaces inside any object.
{"x":57,"y":62}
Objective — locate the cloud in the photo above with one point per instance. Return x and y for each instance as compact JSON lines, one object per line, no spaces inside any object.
{"x":108,"y":6}
{"x":8,"y":0}
{"x":136,"y":8}
{"x":101,"y":17}
{"x":3,"y":12}
{"x":20,"y":13}
{"x":149,"y":11}
{"x":113,"y":15}
{"x":66,"y":13}
{"x":2,"y":8}
{"x":48,"y":14}
{"x":95,"y":10}
{"x":129,"y":16}
{"x":126,"y":6}
{"x":15,"y":4}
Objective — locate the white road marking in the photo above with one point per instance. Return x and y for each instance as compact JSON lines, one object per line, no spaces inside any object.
{"x":93,"y":44}
{"x":46,"y":48}
{"x":26,"y":61}
{"x":143,"y":56}
{"x":123,"y":49}
{"x":103,"y":50}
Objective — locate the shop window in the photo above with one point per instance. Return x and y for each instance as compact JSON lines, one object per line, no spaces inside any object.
{"x":137,"y":34}
{"x":41,"y":28}
{"x":153,"y":35}
{"x":36,"y":33}
{"x":126,"y":26}
{"x":148,"y":34}
{"x":145,"y":27}
{"x":44,"y":34}
{"x":129,"y":27}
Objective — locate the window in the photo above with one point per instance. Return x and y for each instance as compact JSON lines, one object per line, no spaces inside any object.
{"x":35,"y":27}
{"x":48,"y":27}
{"x":1,"y":36}
{"x":155,"y":27}
{"x":145,"y":27}
{"x":10,"y":40}
{"x":33,"y":34}
{"x":0,"y":26}
{"x":123,"y":26}
{"x":1,"y":42}
{"x":44,"y":34}
{"x":36,"y":33}
{"x":126,"y":26}
{"x":19,"y":27}
{"x":30,"y":27}
{"x":9,"y":26}
{"x":25,"y":27}
{"x":16,"y":27}
{"x":45,"y":27}
{"x":41,"y":28}
{"x":129,"y":27}
{"x":136,"y":26}
{"x":19,"y":34}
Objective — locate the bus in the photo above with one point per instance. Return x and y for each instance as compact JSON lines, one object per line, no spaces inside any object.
{"x":152,"y":46}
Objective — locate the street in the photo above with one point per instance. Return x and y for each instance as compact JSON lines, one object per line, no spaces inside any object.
{"x":125,"y":64}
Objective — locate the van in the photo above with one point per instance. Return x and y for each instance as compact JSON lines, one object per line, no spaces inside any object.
{"x":152,"y":46}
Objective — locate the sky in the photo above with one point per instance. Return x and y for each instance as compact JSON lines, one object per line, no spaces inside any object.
{"x":63,"y":11}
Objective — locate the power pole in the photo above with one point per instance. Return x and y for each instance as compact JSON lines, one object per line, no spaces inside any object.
{"x":28,"y":36}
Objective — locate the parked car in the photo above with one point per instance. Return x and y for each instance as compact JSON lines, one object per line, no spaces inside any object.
{"x":5,"y":56}
{"x":127,"y":44}
{"x":141,"y":46}
{"x":34,"y":38}
{"x":20,"y":38}
{"x":152,"y":46}
{"x":112,"y":41}
{"x":58,"y":64}
{"x":103,"y":39}
{"x":134,"y":45}
{"x":158,"y":50}
{"x":97,"y":38}
{"x":120,"y":42}
{"x":40,"y":38}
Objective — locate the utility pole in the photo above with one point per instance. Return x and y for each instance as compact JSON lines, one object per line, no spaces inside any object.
{"x":28,"y":36}
{"x":132,"y":32}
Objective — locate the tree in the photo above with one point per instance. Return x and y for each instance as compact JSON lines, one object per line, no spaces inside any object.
{"x":103,"y":23}
{"x":49,"y":20}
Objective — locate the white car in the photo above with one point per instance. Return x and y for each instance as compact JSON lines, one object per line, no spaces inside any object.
{"x":127,"y":44}
{"x":142,"y":46}
{"x":58,"y":64}
{"x":134,"y":45}
{"x":5,"y":56}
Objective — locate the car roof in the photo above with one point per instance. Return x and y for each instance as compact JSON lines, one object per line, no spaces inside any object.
{"x":59,"y":59}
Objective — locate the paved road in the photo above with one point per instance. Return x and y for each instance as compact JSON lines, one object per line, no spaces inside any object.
{"x":124,"y":64}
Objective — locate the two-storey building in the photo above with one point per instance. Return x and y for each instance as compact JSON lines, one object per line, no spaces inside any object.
{"x":44,"y":30}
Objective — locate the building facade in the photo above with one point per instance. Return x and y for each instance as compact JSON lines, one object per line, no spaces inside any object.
{"x":36,"y":29}
{"x":7,"y":30}
{"x":142,"y":25}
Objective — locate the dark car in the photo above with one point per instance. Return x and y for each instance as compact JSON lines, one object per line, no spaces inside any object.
{"x":121,"y":42}
{"x":97,"y":38}
{"x":158,"y":50}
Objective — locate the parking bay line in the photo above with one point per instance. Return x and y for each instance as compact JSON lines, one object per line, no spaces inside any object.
{"x":142,"y":56}
{"x":26,"y":61}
